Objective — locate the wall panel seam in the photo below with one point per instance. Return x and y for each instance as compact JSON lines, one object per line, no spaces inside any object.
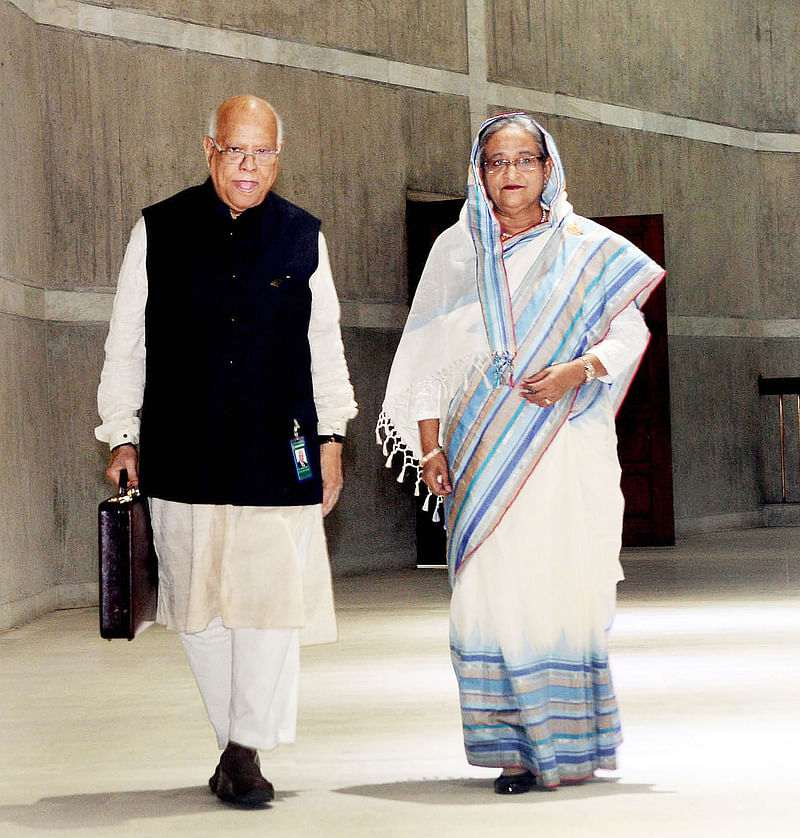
{"x":145,"y":28}
{"x":94,"y":306}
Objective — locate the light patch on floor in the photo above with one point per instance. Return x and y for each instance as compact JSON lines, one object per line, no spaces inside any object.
{"x":110,"y":739}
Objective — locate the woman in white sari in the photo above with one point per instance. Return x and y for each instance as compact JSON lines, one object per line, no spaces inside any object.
{"x":522,"y":340}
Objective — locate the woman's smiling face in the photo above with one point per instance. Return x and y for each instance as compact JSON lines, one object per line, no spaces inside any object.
{"x":511,"y":190}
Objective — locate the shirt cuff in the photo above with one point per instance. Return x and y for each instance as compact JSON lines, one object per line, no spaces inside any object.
{"x":328,"y":428}
{"x":122,"y":434}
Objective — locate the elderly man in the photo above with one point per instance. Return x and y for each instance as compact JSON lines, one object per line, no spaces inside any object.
{"x":225,"y":332}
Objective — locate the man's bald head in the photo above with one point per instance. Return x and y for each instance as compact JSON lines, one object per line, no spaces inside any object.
{"x":241,"y":104}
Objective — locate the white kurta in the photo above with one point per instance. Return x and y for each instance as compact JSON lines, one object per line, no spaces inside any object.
{"x":252,"y":566}
{"x":255,"y":567}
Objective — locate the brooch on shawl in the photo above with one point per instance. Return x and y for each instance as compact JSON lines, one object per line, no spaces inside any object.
{"x":574,"y":229}
{"x":503,"y":368}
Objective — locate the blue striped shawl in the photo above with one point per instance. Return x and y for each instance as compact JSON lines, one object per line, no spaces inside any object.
{"x":583,"y":278}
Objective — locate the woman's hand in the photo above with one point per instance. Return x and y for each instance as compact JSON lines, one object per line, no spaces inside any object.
{"x":546,"y":387}
{"x":436,"y":475}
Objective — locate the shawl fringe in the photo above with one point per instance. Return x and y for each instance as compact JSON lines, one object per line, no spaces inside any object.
{"x":392,"y":445}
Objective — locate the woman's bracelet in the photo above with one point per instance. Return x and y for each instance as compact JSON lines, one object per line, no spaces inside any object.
{"x":429,"y":456}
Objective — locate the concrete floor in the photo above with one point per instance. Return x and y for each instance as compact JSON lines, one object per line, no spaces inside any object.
{"x":110,"y":739}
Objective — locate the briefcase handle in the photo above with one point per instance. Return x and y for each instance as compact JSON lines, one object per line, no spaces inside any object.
{"x":124,"y":494}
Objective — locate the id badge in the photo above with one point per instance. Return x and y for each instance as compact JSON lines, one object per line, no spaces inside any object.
{"x":300,"y":455}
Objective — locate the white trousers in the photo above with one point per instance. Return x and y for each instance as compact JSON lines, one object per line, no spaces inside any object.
{"x":248,"y":679}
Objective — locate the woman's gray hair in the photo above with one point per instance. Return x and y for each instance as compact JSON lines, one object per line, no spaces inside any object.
{"x":518,"y":120}
{"x":211,"y":129}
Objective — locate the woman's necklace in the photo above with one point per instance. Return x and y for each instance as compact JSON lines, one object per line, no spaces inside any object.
{"x":545,"y":217}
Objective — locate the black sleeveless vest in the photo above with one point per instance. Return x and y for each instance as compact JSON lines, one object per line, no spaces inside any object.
{"x":228,"y":367}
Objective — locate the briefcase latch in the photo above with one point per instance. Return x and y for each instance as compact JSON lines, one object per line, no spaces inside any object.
{"x":124,"y":494}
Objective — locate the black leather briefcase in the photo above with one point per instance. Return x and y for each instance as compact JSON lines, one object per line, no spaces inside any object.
{"x":128,"y":564}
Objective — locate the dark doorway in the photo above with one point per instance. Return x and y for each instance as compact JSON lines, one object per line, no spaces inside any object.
{"x":425,"y":221}
{"x":643,"y":425}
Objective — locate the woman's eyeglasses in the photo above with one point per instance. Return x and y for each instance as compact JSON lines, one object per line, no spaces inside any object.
{"x":522,"y":164}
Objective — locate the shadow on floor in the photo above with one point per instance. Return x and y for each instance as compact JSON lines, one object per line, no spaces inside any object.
{"x":113,"y":808}
{"x":462,"y":791}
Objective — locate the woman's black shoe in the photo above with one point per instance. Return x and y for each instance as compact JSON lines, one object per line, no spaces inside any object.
{"x":514,"y":783}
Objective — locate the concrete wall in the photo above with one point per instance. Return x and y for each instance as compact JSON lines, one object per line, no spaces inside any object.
{"x":430,"y":32}
{"x":777,"y":32}
{"x":696,"y":58}
{"x":29,"y":553}
{"x":99,"y":122}
{"x":779,"y":258}
{"x":29,"y":550}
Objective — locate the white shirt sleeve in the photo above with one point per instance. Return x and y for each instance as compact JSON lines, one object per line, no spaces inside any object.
{"x":119,"y":396}
{"x":426,"y":400}
{"x":624,"y":344}
{"x":333,"y":393}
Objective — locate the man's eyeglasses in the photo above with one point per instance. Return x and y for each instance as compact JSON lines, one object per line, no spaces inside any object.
{"x":522,"y":164}
{"x":236,"y":156}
